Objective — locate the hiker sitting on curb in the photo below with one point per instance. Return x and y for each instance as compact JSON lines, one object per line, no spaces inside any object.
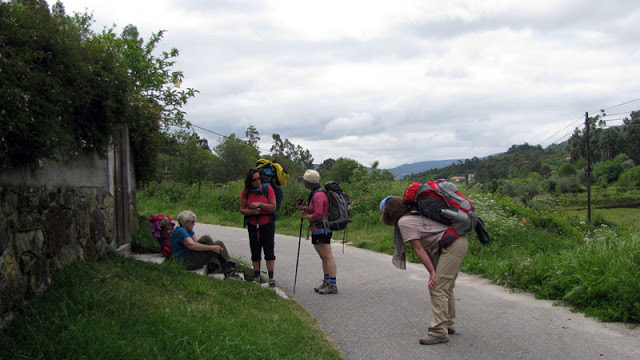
{"x":424,"y":234}
{"x":317,"y":210}
{"x":194,"y":252}
{"x":257,"y":204}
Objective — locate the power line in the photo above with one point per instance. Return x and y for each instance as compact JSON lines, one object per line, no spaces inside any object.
{"x":617,"y":119}
{"x":580,"y":120}
{"x":221,"y":135}
{"x":622,"y":113}
{"x":571,"y":124}
{"x":564,"y":136}
{"x":624,"y":103}
{"x":213,"y":132}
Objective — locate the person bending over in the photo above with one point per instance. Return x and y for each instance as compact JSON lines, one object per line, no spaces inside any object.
{"x":424,"y":235}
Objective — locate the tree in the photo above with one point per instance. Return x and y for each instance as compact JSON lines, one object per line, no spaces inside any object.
{"x":577,"y":143}
{"x":568,"y":184}
{"x":325,"y":166}
{"x":342,"y":170}
{"x":630,"y":178}
{"x":65,"y":89}
{"x":285,"y":149}
{"x":611,"y":143}
{"x":306,"y":159}
{"x":236,"y":157}
{"x":290,"y":150}
{"x":277,"y":149}
{"x":607,"y":172}
{"x":632,"y":136}
{"x":195,"y":164}
{"x":566,"y":169}
{"x":253,"y":136}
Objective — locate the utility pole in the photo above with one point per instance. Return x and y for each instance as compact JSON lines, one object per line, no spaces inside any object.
{"x":586,"y":124}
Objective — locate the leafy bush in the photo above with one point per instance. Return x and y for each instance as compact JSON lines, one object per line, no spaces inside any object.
{"x":566,"y":169}
{"x":608,"y":172}
{"x":61,"y":93}
{"x":630,"y":178}
{"x":568,"y":184}
{"x":65,"y":89}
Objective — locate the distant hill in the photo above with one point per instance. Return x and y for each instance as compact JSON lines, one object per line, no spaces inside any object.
{"x":407,"y":169}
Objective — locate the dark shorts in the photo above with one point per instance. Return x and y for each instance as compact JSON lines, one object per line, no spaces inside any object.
{"x":321,"y":238}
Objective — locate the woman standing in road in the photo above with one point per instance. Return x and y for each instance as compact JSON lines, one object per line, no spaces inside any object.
{"x":316,"y":210}
{"x":257,"y":204}
{"x":424,"y":236}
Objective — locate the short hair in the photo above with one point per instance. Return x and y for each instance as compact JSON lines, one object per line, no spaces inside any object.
{"x":185,"y":216}
{"x":394,"y":209}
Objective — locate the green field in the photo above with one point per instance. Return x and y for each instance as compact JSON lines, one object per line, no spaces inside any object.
{"x":619,"y":216}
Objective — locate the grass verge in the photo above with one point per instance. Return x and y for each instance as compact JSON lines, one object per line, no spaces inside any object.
{"x":121,"y":308}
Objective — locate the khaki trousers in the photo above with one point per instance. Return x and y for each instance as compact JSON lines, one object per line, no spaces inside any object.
{"x":442,"y":299}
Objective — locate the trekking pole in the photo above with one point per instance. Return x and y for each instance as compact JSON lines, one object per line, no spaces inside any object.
{"x":295,"y":279}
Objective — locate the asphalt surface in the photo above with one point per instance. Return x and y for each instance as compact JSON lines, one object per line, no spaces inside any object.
{"x":380,"y":311}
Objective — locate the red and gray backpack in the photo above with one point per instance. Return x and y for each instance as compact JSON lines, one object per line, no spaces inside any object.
{"x":441,"y":201}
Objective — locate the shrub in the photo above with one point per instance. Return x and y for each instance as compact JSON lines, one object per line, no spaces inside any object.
{"x":65,"y":89}
{"x":568,"y":184}
{"x":630,"y":178}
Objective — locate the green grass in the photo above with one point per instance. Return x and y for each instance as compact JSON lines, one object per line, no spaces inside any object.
{"x":120,"y":308}
{"x":620,"y":216}
{"x":592,"y":267}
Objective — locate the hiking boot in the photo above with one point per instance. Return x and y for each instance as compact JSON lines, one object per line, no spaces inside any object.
{"x":325,"y":283}
{"x":232,"y":275}
{"x":272,"y":283}
{"x":329,"y":289}
{"x":449,"y":331}
{"x":432,"y":340}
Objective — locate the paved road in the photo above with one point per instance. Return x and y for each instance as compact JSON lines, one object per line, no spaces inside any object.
{"x":381,"y":312}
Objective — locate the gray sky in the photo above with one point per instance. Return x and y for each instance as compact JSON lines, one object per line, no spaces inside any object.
{"x":395,"y":81}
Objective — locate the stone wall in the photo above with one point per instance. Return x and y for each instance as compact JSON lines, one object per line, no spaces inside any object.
{"x":43,"y":229}
{"x":60,"y":214}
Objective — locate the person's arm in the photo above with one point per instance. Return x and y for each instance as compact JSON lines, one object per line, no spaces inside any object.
{"x":269,"y":206}
{"x":196,"y":246}
{"x":244,"y":209}
{"x":424,"y":257}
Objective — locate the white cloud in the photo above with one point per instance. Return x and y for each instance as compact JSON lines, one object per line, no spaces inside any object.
{"x":397,"y":82}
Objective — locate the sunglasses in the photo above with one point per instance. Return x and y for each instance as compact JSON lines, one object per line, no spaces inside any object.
{"x":256,"y":178}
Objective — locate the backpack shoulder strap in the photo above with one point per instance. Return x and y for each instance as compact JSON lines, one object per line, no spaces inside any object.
{"x":313,"y":192}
